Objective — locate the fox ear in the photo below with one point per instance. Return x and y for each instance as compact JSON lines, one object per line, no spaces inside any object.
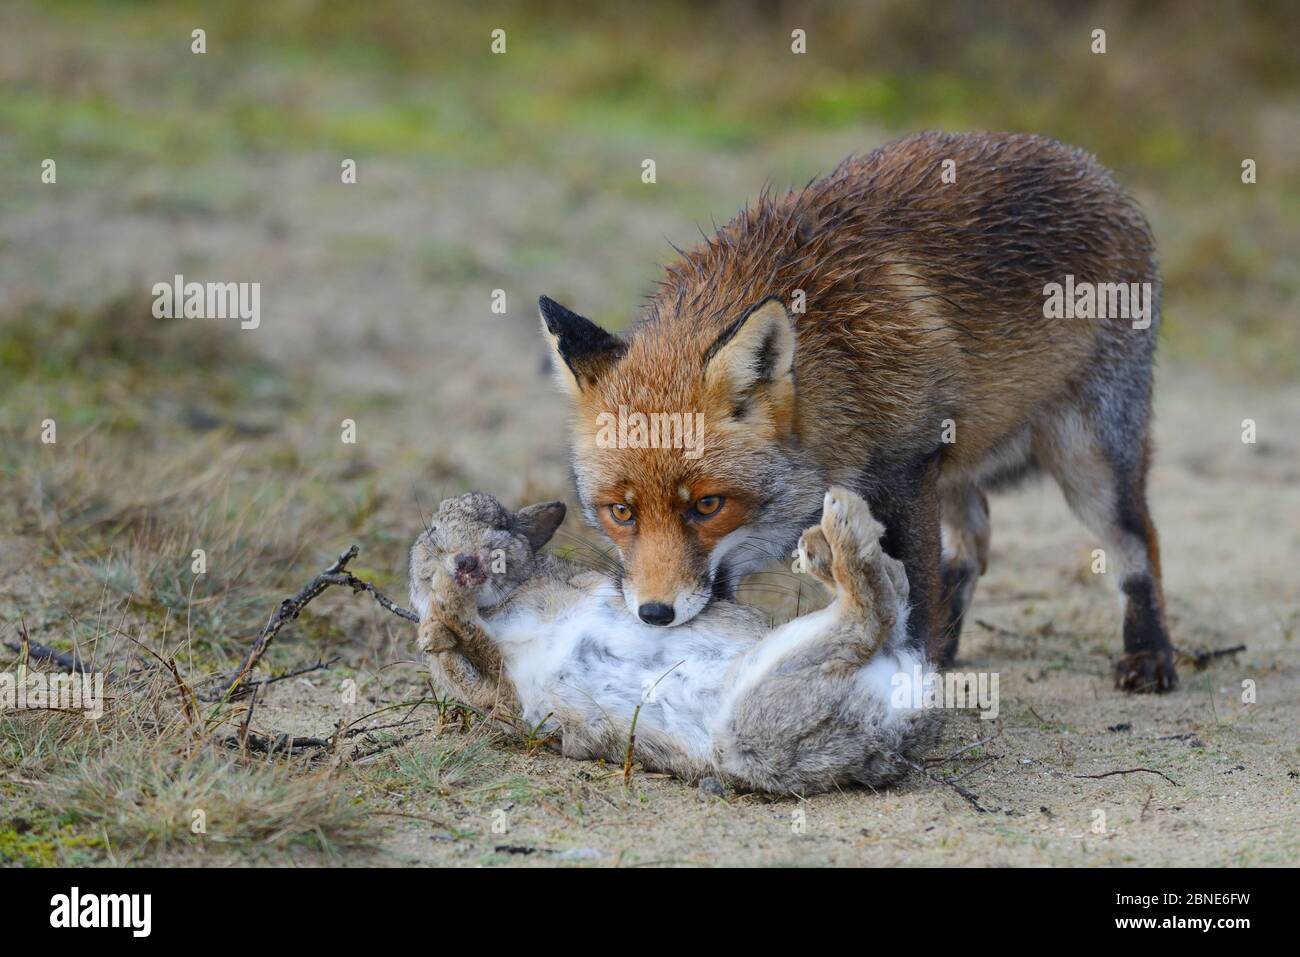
{"x":539,"y":522}
{"x":754,"y":359}
{"x":584,"y":350}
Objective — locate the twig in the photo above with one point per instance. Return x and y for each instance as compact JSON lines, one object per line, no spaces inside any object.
{"x":188,"y":698}
{"x":1201,"y":659}
{"x":1131,"y":771}
{"x":360,"y":755}
{"x":290,"y":608}
{"x":279,"y":744}
{"x":417,"y":817}
{"x":356,"y":584}
{"x":187,"y":695}
{"x":248,"y":688}
{"x":956,"y":754}
{"x":947,"y":782}
{"x":1004,"y":632}
{"x":39,"y":652}
{"x":36,"y":651}
{"x":970,"y":771}
{"x":248,"y":740}
{"x":248,"y":717}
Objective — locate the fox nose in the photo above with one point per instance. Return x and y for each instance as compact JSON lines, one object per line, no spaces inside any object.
{"x":656,"y":613}
{"x":466,"y":564}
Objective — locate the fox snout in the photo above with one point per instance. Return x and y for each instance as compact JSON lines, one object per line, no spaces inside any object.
{"x":676,"y":610}
{"x":657,"y":600}
{"x":656,"y":613}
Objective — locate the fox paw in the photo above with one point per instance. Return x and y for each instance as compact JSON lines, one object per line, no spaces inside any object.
{"x":1146,"y":672}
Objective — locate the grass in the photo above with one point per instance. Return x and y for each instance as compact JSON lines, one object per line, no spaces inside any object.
{"x":155,"y":801}
{"x":141,"y":783}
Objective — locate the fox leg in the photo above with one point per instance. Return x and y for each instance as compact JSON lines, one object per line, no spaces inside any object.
{"x":1102,"y":468}
{"x":908,"y":506}
{"x":965,"y":515}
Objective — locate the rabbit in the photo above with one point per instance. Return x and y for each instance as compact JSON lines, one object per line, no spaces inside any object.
{"x":797,"y":709}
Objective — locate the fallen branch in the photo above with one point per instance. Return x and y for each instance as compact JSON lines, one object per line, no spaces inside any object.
{"x":277,"y":744}
{"x":1201,"y":659}
{"x":290,"y":608}
{"x":38,"y":652}
{"x":969,"y":796}
{"x":248,"y":740}
{"x":1003,"y":632}
{"x":1131,"y":771}
{"x":35,"y":650}
{"x":958,"y":753}
{"x":969,"y":771}
{"x":356,"y":584}
{"x":248,"y":688}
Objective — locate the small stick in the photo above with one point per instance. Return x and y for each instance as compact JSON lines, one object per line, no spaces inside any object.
{"x":35,"y":651}
{"x":956,"y":754}
{"x":290,"y":608}
{"x":1201,"y":659}
{"x":946,"y":782}
{"x":281,"y":743}
{"x":1131,"y":771}
{"x":356,"y":584}
{"x":249,"y":687}
{"x":970,"y":771}
{"x":248,"y":717}
{"x":1004,"y":632}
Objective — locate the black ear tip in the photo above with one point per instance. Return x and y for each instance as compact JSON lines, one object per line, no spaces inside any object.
{"x":554,"y":315}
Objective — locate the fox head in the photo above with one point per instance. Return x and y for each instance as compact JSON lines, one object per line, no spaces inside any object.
{"x":685,"y":449}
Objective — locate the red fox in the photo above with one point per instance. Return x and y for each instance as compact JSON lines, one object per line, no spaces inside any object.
{"x":940,"y":317}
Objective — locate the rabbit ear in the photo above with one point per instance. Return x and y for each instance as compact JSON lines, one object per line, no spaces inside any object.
{"x":539,"y":522}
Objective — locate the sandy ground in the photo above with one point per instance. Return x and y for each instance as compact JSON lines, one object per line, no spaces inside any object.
{"x":367,"y":301}
{"x":1226,"y":515}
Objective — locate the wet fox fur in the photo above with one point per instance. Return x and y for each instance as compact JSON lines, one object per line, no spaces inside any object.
{"x":795,"y":710}
{"x":884,"y":330}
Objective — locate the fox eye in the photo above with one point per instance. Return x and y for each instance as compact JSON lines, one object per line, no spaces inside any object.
{"x":708,"y":506}
{"x":622,"y":513}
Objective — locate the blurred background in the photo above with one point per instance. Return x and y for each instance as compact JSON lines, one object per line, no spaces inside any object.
{"x":518,"y":172}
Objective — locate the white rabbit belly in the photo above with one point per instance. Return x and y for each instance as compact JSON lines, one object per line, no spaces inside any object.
{"x":594,"y":663}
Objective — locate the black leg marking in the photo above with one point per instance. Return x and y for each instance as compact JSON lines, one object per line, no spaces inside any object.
{"x":957,"y":587}
{"x":909,"y":510}
{"x":1148,"y":662}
